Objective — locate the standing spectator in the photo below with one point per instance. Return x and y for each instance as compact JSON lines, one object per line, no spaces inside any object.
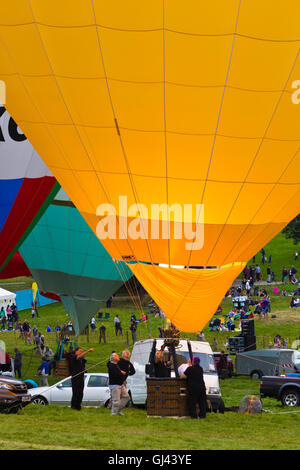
{"x":215,"y":345}
{"x":201,"y":336}
{"x":133,"y":317}
{"x":246,"y":272}
{"x":133,"y":328}
{"x":27,"y":331}
{"x":18,"y":362}
{"x":257,"y":272}
{"x":270,"y":259}
{"x":2,"y":318}
{"x":38,"y":344}
{"x":284,"y":273}
{"x":118,"y":327}
{"x":296,"y":255}
{"x":126,"y":365}
{"x":42,"y":339}
{"x":15,"y":315}
{"x":292,"y":273}
{"x":77,"y":368}
{"x":109,"y":302}
{"x":35,"y":333}
{"x":35,"y":308}
{"x":48,"y":356}
{"x":43,"y":372}
{"x":102,"y":331}
{"x":268,"y":274}
{"x":196,"y":389}
{"x":119,"y":394}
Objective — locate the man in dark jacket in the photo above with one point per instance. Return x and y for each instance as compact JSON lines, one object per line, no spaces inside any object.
{"x":196,"y":389}
{"x":77,"y":368}
{"x":119,"y":394}
{"x":126,"y":365}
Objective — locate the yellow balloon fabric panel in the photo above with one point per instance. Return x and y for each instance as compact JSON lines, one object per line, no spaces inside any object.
{"x":163,"y":102}
{"x":189,"y":298}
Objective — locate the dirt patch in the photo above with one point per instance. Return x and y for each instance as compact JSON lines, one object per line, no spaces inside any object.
{"x":286,"y":316}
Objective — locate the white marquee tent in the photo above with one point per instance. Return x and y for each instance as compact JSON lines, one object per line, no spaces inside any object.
{"x":6,"y":298}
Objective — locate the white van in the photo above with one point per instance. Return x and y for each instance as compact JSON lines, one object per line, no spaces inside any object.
{"x":136,"y":384}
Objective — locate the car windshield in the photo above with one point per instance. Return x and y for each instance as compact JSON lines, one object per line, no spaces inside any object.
{"x":206,"y":360}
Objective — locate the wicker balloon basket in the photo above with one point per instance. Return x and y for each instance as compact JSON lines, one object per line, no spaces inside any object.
{"x":167,"y":397}
{"x":61,"y":369}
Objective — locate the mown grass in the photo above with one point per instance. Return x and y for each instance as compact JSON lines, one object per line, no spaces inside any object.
{"x":55,"y":427}
{"x":282,"y":251}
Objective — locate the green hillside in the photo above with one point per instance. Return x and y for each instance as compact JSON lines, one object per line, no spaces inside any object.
{"x":282,"y":251}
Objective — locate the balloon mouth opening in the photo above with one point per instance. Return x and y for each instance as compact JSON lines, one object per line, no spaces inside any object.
{"x":189,"y":268}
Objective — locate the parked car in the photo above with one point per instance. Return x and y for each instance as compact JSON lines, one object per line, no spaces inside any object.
{"x":95,"y":393}
{"x":13,"y":394}
{"x":217,"y":355}
{"x":285,"y":388}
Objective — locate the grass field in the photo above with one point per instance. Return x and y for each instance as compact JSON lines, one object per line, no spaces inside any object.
{"x":282,"y":251}
{"x":53,"y":427}
{"x":58,"y":428}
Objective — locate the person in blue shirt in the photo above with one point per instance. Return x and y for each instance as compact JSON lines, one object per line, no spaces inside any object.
{"x":43,"y":372}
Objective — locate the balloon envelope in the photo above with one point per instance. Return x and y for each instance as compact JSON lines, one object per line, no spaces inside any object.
{"x":66,"y":258}
{"x":26,"y":186}
{"x":193,"y":105}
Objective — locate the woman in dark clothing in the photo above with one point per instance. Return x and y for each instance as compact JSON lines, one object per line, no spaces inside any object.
{"x":161,"y":368}
{"x":196,"y":389}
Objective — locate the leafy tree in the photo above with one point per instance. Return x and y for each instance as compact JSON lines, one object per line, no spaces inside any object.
{"x":292,"y":230}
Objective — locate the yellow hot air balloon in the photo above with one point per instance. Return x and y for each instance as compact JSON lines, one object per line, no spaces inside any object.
{"x":192,"y":105}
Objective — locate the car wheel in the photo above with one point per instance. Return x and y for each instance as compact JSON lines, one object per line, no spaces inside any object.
{"x":290,"y":397}
{"x":107,"y":404}
{"x":39,"y":400}
{"x":256,"y":374}
{"x":15,"y":409}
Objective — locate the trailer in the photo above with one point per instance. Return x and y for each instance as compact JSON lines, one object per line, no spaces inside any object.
{"x":269,"y":362}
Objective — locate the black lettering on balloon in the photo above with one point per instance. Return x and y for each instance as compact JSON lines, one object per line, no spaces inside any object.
{"x":2,"y":111}
{"x":13,"y":131}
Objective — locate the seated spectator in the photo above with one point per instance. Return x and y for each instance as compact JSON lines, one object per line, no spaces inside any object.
{"x":295,"y":302}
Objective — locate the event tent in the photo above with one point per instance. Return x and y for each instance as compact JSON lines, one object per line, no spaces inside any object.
{"x":6,"y":298}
